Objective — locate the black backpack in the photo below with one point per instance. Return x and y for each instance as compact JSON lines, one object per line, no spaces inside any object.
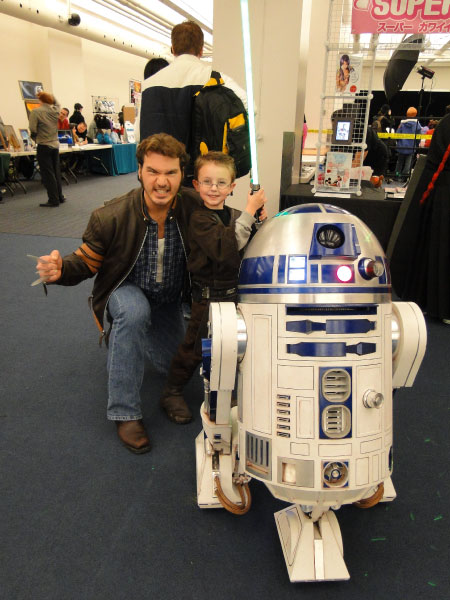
{"x":220,"y":122}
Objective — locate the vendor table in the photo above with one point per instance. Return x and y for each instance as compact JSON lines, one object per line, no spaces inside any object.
{"x":118,"y":159}
{"x":378,"y":213}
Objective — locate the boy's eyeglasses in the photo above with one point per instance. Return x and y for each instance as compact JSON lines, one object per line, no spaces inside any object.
{"x":221,"y":185}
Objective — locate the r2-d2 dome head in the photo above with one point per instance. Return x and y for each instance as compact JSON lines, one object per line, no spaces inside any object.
{"x":314,"y":253}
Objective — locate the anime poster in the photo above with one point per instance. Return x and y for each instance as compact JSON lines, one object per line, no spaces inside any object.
{"x":348,"y":74}
{"x":337,"y":170}
{"x":135,"y":91}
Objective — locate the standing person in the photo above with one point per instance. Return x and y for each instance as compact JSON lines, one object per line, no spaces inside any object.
{"x":135,"y":247}
{"x":383,"y":121}
{"x":77,"y":117}
{"x":217,"y":234}
{"x":43,"y":123}
{"x":406,"y":147}
{"x":167,"y":96}
{"x":154,"y":65}
{"x":63,"y":120}
{"x":420,"y":262}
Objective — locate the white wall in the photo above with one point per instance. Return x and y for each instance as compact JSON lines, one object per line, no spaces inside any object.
{"x":275,"y":34}
{"x":72,"y":68}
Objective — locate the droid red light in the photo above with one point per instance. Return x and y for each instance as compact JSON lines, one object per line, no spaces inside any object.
{"x":344,"y":273}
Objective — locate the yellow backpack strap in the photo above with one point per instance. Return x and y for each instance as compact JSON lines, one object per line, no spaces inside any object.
{"x":215,"y":79}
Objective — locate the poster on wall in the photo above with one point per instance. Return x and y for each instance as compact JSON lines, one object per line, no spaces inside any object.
{"x":135,"y":90}
{"x":348,"y":73}
{"x":407,"y":16}
{"x":30,"y":89}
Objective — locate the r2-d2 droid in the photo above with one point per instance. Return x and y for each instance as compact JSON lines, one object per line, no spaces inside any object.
{"x":317,"y":346}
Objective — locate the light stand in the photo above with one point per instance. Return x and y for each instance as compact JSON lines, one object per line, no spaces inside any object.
{"x":425,"y":74}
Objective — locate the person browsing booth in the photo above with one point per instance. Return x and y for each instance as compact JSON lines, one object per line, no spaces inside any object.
{"x":217,"y":235}
{"x":135,"y":247}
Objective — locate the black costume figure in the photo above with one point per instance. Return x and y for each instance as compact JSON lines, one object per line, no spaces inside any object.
{"x":420,"y":263}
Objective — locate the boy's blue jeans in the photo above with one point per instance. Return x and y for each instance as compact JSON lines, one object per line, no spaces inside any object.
{"x":140,"y":331}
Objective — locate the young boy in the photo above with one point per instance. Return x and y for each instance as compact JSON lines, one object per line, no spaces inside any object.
{"x":216,"y":236}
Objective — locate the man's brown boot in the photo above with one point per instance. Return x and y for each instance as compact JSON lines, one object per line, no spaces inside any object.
{"x":174,"y":404}
{"x":133,"y":436}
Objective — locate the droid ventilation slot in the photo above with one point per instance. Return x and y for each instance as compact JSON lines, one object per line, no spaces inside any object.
{"x":336,"y":421}
{"x":336,"y":385}
{"x":258,"y":455}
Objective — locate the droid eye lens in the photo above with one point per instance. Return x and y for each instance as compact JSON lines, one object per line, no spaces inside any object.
{"x":329,"y":236}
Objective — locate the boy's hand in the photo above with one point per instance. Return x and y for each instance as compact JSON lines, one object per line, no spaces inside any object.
{"x":49,"y":267}
{"x":262,"y":215}
{"x":255,"y":201}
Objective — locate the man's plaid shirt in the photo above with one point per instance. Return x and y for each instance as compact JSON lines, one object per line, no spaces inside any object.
{"x":143,"y":273}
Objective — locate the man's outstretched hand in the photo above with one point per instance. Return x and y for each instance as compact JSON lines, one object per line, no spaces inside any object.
{"x":49,"y":267}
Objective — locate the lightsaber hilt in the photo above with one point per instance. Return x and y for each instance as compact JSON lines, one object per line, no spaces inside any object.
{"x":254,"y":187}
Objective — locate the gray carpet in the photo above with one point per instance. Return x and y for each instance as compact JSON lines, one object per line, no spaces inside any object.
{"x":22,"y":214}
{"x":84,"y":519}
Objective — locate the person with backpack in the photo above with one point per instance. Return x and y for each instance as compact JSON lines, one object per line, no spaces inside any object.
{"x":217,"y":235}
{"x":406,"y":147}
{"x":168,"y":95}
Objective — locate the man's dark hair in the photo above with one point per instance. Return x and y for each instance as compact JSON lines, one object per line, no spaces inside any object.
{"x":165,"y":144}
{"x":187,"y":38}
{"x":154,"y":65}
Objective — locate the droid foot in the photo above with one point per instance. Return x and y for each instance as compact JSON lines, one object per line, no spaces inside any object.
{"x":312,"y":550}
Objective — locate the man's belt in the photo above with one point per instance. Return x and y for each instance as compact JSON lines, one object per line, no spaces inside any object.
{"x":205,"y":292}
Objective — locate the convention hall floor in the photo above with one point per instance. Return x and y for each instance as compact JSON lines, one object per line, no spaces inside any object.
{"x":84,"y":519}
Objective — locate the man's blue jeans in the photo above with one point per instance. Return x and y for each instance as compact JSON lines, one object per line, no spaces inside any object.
{"x":139,"y":331}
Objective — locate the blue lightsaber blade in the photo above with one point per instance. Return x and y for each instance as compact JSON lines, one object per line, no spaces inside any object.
{"x":250,"y":98}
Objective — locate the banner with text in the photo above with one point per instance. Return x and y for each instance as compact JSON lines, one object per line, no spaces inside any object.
{"x":401,"y":16}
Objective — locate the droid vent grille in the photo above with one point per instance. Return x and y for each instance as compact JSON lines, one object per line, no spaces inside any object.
{"x":336,"y":385}
{"x":259,"y":455}
{"x":336,"y":421}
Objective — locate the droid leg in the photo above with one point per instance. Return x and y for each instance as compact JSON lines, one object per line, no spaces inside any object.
{"x":219,"y":483}
{"x":312,"y":550}
{"x":214,"y":462}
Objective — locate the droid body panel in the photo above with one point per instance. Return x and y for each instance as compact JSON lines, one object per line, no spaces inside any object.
{"x":318,"y":347}
{"x":318,"y":332}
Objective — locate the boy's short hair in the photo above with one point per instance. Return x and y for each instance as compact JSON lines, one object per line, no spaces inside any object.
{"x":165,"y":144}
{"x":219,"y":158}
{"x":187,"y":38}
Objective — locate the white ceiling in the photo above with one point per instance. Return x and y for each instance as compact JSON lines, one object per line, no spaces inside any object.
{"x":147,"y":23}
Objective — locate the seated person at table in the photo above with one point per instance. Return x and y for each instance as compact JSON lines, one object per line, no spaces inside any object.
{"x":217,"y":234}
{"x":63,"y":120}
{"x":80,"y":135}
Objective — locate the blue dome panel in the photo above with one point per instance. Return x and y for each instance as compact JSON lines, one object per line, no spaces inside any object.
{"x":256,"y":270}
{"x":329,"y":208}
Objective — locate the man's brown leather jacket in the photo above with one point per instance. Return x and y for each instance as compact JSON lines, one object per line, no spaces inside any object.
{"x":112,"y":242}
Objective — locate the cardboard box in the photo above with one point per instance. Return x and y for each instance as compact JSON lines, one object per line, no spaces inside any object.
{"x":129,"y":113}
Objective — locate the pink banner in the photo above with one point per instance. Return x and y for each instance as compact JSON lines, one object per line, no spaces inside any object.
{"x":401,"y":16}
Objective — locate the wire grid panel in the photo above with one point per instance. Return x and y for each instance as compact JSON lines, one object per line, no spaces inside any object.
{"x":345,"y":101}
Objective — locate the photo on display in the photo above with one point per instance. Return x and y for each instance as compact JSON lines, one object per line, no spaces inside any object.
{"x":31,"y":105}
{"x":348,"y":74}
{"x":337,"y":170}
{"x":30,"y":89}
{"x":12,"y":137}
{"x":25,"y":137}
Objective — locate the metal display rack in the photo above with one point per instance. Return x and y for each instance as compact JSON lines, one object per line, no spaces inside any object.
{"x":344,"y":97}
